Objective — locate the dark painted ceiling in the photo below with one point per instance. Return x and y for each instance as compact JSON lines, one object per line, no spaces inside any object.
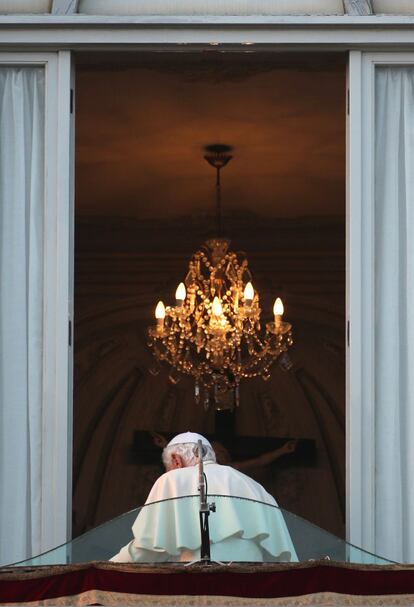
{"x":142,"y":122}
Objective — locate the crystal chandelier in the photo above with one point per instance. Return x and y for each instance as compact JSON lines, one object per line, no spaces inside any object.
{"x":213,"y":332}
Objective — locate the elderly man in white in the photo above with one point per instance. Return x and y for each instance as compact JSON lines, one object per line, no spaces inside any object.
{"x":240,"y":530}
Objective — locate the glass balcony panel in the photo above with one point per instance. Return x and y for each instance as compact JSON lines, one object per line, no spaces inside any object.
{"x":233,"y":533}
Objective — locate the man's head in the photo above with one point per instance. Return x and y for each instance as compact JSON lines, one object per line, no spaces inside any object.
{"x":182,"y":451}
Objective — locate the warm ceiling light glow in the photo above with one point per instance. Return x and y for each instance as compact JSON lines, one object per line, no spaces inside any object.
{"x":278,"y":308}
{"x":160,"y":311}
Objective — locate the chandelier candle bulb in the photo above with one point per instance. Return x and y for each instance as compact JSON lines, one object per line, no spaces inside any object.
{"x":278,"y":312}
{"x":248,"y":295}
{"x":216,"y":308}
{"x":180,"y":295}
{"x":160,"y":315}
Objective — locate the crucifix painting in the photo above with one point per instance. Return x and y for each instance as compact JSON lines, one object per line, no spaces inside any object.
{"x":257,"y":456}
{"x":244,"y":453}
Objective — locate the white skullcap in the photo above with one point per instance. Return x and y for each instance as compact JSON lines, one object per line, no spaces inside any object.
{"x":188,"y":437}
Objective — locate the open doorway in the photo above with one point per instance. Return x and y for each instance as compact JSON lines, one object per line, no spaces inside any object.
{"x":145,"y":203}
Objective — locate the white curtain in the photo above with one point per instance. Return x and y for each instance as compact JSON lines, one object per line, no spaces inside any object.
{"x":22,"y":116}
{"x":394,"y":313}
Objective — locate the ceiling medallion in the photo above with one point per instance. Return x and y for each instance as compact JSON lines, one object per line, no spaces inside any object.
{"x":213,"y":332}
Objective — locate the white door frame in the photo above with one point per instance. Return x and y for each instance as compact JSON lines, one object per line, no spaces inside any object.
{"x":57,"y":409}
{"x":360,"y":397}
{"x":291,"y":33}
{"x":56,"y":489}
{"x":57,"y":419}
{"x":360,"y":459}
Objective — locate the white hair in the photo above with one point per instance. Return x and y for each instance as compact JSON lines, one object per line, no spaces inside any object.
{"x":188,"y":453}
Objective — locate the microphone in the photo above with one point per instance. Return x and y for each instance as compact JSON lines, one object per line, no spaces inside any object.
{"x":205,"y":507}
{"x":201,"y":481}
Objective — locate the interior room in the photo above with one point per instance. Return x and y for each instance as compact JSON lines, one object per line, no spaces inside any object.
{"x":145,"y":202}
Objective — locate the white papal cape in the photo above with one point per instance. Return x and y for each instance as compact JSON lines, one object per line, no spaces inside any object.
{"x":240,"y":529}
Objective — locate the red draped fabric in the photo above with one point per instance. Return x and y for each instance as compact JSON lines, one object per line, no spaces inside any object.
{"x":53,"y":583}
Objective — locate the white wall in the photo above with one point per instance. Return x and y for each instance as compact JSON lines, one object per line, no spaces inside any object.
{"x":15,"y":7}
{"x":393,"y":7}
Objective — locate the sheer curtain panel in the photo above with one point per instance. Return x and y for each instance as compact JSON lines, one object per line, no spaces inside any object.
{"x":394,"y":305}
{"x":22,"y":119}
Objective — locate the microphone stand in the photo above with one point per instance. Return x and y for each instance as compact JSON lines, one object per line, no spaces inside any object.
{"x":205,"y":509}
